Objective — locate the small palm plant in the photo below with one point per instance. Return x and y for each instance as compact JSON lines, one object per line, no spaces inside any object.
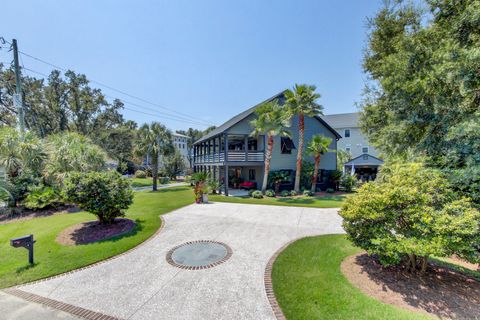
{"x":199,"y":180}
{"x":317,"y":146}
{"x":301,"y":101}
{"x":154,"y":140}
{"x":271,"y":120}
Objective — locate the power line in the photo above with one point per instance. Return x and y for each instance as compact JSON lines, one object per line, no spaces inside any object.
{"x":158,"y":115}
{"x":112,"y":88}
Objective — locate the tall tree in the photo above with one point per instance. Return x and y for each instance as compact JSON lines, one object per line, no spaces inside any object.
{"x":154,"y":140}
{"x":301,"y":101}
{"x":424,"y":94}
{"x":271,"y":120}
{"x":317,"y":146}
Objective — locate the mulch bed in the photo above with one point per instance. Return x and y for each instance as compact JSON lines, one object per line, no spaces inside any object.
{"x":92,"y":231}
{"x":8,"y":215}
{"x":440,"y":292}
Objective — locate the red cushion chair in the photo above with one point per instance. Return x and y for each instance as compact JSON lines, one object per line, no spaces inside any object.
{"x":248,"y":185}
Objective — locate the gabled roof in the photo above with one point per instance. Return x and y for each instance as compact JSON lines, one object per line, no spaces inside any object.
{"x":343,"y":120}
{"x":239,"y":117}
{"x":376,"y":161}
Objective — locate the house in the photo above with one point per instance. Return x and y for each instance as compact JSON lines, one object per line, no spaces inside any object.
{"x":365,"y":159}
{"x":231,"y":155}
{"x":180,"y":142}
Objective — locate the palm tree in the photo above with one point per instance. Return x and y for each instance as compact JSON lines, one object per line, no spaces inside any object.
{"x":301,"y":101}
{"x":272,"y":120}
{"x":154,"y":140}
{"x":316,"y":148}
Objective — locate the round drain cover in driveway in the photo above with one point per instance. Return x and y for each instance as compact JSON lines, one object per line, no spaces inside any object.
{"x":197,"y":255}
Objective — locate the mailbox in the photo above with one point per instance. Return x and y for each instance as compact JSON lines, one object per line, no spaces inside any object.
{"x":26,"y":242}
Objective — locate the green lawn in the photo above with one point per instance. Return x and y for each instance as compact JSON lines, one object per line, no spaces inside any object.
{"x":301,"y":201}
{"x":141,"y":182}
{"x":52,"y":258}
{"x":308,"y":284}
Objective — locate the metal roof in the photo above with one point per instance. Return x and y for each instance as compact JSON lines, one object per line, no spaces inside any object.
{"x":239,"y":117}
{"x":359,"y":160}
{"x":343,"y":120}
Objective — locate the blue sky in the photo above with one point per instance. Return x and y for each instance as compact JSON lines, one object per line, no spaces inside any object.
{"x":207,"y":59}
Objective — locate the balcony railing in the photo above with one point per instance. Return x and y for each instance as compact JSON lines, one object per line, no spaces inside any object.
{"x":234,"y":156}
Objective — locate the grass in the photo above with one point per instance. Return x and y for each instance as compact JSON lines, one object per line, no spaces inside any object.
{"x":52,"y":258}
{"x":308,"y":284}
{"x":300,"y":201}
{"x":141,"y":182}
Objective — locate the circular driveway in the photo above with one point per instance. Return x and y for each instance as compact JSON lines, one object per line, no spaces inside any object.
{"x":143,"y":285}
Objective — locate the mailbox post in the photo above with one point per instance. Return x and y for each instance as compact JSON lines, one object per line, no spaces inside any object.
{"x":26,"y":242}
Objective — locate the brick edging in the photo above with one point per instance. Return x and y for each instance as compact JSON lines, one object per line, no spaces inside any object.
{"x":211,"y":265}
{"x":65,"y":307}
{"x":94,"y":264}
{"x":267,"y":279}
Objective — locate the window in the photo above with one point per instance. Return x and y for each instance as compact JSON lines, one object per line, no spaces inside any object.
{"x":252,"y":144}
{"x":347,"y":133}
{"x":286,"y":145}
{"x":347,"y":149}
{"x":365,"y":150}
{"x":251,"y":174}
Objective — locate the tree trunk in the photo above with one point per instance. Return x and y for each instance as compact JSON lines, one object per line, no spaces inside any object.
{"x":424,"y":265}
{"x":154,"y":171}
{"x":268,"y":157}
{"x":315,"y":174}
{"x":301,"y":132}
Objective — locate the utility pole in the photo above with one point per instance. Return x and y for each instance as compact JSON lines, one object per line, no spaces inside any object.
{"x":17,"y":97}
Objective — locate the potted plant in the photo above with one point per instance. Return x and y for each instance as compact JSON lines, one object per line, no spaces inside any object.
{"x":235,"y":182}
{"x":199,"y":180}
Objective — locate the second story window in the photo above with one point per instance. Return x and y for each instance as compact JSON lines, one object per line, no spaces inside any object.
{"x":347,"y":149}
{"x":365,"y":150}
{"x":286,"y":145}
{"x":347,"y":133}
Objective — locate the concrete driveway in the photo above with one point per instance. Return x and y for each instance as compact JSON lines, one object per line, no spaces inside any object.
{"x":143,"y":285}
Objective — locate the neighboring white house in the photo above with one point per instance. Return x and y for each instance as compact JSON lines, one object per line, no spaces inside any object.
{"x":365,"y":162}
{"x":180,"y":142}
{"x":353,"y":140}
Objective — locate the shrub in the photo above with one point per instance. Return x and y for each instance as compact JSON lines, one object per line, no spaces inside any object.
{"x":348,"y":182}
{"x":409,"y":214}
{"x":213,"y":186}
{"x":257,"y":194}
{"x":42,"y":196}
{"x":330,"y":190}
{"x":270,"y":193}
{"x":308,"y":193}
{"x":163,"y":180}
{"x":293,"y":193}
{"x":199,"y":179}
{"x":250,"y":192}
{"x":104,"y":194}
{"x":285,"y":193}
{"x":140,"y":174}
{"x":148,"y":172}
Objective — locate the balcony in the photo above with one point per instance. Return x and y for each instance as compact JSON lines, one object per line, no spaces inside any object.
{"x":232,"y":156}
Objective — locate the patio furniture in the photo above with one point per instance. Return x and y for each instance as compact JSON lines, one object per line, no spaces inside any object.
{"x":248,"y":185}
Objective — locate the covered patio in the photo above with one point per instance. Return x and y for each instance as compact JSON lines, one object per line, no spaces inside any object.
{"x":364,"y":167}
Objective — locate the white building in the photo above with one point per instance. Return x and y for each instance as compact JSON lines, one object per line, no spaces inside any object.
{"x":180,"y":142}
{"x":365,"y":162}
{"x":353,"y":140}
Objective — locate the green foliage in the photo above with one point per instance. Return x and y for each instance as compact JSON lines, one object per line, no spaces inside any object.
{"x":308,"y":193}
{"x":163,"y":180}
{"x":213,"y":186}
{"x":343,"y":157}
{"x":104,"y":194}
{"x":270,"y":193}
{"x":257,"y":194}
{"x":140,"y":174}
{"x":285,"y":193}
{"x":348,"y":182}
{"x":293,"y":193}
{"x":424,"y":99}
{"x":69,"y":152}
{"x":40,"y":197}
{"x":199,"y":180}
{"x":409,"y":214}
{"x":318,"y":145}
{"x":306,"y":174}
{"x":275,"y":178}
{"x":173,"y":164}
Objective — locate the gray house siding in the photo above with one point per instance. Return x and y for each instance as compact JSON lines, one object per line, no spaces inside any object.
{"x":312,"y":127}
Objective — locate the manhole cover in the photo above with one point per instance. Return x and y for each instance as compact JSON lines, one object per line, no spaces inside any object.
{"x":197,"y":255}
